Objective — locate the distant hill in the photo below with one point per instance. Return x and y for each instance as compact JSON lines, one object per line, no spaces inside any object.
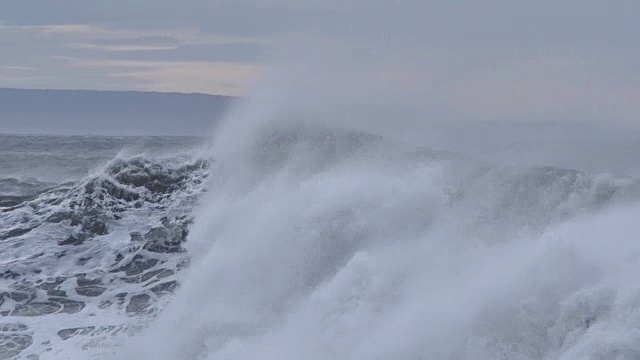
{"x":81,"y":112}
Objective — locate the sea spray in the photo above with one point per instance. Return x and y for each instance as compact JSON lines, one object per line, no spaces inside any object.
{"x":317,"y":241}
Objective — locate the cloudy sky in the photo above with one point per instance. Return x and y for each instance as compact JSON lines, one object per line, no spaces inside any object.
{"x":487,"y":59}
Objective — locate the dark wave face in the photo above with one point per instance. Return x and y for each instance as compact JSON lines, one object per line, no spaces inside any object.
{"x":59,"y":159}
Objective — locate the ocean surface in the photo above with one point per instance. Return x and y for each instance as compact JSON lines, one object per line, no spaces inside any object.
{"x":91,"y":234}
{"x":286,"y":240}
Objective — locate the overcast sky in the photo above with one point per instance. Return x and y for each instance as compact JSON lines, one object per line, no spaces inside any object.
{"x":488,"y":59}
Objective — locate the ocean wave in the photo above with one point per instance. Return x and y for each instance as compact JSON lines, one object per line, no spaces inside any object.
{"x":318,"y":244}
{"x":309,"y":242}
{"x":109,"y":244}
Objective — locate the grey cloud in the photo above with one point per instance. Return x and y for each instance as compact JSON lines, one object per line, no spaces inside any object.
{"x":570,"y":25}
{"x":228,"y":18}
{"x":231,"y":52}
{"x":227,"y":52}
{"x":140,"y":41}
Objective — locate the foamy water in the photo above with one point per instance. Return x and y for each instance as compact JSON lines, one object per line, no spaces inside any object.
{"x":316,"y":244}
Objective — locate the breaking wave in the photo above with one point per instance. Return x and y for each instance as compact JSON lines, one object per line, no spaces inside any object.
{"x":315,"y":243}
{"x":84,"y":263}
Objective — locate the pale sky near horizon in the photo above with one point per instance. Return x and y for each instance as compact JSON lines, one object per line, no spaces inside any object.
{"x":491,"y":59}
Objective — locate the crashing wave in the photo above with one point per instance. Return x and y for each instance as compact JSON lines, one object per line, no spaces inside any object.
{"x":318,"y":244}
{"x":111,"y":243}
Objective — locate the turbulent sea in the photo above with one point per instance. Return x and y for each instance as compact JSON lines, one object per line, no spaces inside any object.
{"x":296,"y":241}
{"x":91,"y":234}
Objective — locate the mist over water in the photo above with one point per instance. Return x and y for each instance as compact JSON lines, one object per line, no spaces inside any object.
{"x":317,"y":241}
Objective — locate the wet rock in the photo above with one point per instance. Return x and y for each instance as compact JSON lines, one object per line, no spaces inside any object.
{"x":66,"y":334}
{"x":138,"y":304}
{"x":11,"y":345}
